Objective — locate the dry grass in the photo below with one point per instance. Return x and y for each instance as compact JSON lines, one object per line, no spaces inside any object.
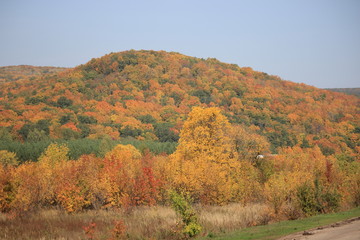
{"x":142,"y":222}
{"x":156,"y":222}
{"x":232,"y":217}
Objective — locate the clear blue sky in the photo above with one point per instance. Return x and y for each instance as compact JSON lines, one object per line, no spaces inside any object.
{"x":316,"y":42}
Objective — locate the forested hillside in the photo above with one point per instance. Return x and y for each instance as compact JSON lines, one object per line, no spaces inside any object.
{"x":13,"y":73}
{"x":145,"y":128}
{"x":350,"y":91}
{"x":146,"y":95}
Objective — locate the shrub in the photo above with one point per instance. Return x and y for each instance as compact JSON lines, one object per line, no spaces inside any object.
{"x":89,"y":230}
{"x":119,"y":230}
{"x":307,"y":199}
{"x":331,"y":200}
{"x":191,"y":225}
{"x":314,"y":199}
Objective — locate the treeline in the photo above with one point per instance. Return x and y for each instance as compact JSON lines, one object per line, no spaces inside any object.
{"x":31,"y":151}
{"x":21,"y":72}
{"x":350,"y":91}
{"x":296,"y":182}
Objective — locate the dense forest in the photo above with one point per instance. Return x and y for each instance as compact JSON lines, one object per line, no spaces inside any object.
{"x":146,"y":95}
{"x":350,"y":91}
{"x":135,"y":127}
{"x":13,"y":73}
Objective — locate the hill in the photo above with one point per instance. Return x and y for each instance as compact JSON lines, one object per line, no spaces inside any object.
{"x":13,"y":73}
{"x":146,"y":95}
{"x":350,"y":91}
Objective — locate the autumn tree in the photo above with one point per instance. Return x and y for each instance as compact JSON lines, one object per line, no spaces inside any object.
{"x":53,"y":158}
{"x":247,"y":143}
{"x":302,"y":178}
{"x":8,"y":158}
{"x":6,"y":187}
{"x":30,"y":188}
{"x":77,"y":184}
{"x":121,"y":166}
{"x":204,"y":151}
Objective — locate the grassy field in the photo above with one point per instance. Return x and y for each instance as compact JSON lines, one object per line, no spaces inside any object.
{"x":158,"y":222}
{"x":276,"y":230}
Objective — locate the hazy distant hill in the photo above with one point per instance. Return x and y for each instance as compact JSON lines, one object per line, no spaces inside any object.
{"x":147,"y":95}
{"x":13,"y":73}
{"x":350,"y":91}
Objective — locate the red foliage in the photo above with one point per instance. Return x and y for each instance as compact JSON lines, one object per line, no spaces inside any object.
{"x":146,"y":187}
{"x":90,"y":230}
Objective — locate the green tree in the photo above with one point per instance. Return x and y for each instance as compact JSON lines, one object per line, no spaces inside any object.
{"x":190,"y":222}
{"x":164,"y":134}
{"x":64,"y":102}
{"x":37,"y":135}
{"x":5,"y":134}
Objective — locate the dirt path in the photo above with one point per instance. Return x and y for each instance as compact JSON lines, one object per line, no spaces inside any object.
{"x":345,"y":230}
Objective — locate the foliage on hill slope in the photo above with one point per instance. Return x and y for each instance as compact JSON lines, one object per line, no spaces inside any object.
{"x":148,"y":94}
{"x":13,"y":73}
{"x":350,"y":91}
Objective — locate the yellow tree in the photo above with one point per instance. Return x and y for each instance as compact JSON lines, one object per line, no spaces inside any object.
{"x":52,"y":159}
{"x":204,"y":165}
{"x":205,"y":133}
{"x":8,"y":158}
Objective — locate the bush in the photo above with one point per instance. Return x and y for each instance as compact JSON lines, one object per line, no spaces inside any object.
{"x":191,"y":225}
{"x":331,"y":200}
{"x":315,"y":199}
{"x":307,"y":200}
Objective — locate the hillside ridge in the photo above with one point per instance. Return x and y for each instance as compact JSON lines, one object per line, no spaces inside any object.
{"x":349,"y":91}
{"x":146,"y":95}
{"x":19,"y":72}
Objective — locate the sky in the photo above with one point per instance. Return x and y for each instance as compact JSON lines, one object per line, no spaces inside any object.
{"x":316,"y":42}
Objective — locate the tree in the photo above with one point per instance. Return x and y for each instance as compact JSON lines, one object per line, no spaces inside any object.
{"x":54,"y":154}
{"x":204,"y":151}
{"x":206,"y":132}
{"x":190,"y":221}
{"x":121,"y":166}
{"x":6,"y":187}
{"x":5,"y":134}
{"x":164,"y":134}
{"x":64,"y":102}
{"x":8,"y":158}
{"x":37,"y":135}
{"x":248,"y":144}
